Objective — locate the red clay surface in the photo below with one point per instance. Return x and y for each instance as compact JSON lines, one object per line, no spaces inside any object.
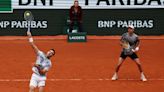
{"x":89,"y":62}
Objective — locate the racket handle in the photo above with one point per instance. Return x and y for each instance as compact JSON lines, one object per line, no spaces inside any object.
{"x":28,"y":29}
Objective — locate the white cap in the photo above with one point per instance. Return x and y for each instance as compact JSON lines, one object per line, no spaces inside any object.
{"x":131,"y":26}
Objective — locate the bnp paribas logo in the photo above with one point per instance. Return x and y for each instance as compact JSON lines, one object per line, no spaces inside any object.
{"x":5,"y":6}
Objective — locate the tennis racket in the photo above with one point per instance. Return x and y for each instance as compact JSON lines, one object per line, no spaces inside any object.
{"x":125,"y":45}
{"x":28,"y":16}
{"x":127,"y":49}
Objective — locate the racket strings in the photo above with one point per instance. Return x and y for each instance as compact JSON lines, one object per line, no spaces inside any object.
{"x":28,"y":16}
{"x":125,"y":45}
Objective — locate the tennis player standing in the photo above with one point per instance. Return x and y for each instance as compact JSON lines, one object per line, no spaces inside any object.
{"x":41,"y":66}
{"x":133,"y":41}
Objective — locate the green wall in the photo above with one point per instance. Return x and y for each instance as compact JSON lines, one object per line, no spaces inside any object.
{"x":57,"y":21}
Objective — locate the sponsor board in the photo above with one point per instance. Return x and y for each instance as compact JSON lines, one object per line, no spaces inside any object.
{"x":104,"y":22}
{"x":89,"y":4}
{"x":10,"y":5}
{"x":124,"y":23}
{"x":77,"y":37}
{"x":23,"y":24}
{"x":5,"y":6}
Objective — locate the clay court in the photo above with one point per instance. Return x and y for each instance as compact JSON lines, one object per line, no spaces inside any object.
{"x":82,"y":67}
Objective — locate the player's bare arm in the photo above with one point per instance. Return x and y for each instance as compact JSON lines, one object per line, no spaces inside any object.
{"x":137,"y":43}
{"x":32,"y":42}
{"x":136,"y":46}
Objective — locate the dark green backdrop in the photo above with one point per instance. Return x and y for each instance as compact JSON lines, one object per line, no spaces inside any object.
{"x":57,"y":21}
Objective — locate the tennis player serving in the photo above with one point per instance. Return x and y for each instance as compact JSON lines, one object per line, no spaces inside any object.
{"x":130,"y":43}
{"x":41,"y":66}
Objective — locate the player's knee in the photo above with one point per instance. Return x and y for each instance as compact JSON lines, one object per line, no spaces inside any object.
{"x":120,"y":59}
{"x":41,"y":89}
{"x":32,"y":89}
{"x":138,"y":63}
{"x":119,"y":64}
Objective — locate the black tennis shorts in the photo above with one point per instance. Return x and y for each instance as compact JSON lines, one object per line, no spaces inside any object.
{"x":133,"y":56}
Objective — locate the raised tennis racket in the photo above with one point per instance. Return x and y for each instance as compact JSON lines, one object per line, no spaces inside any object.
{"x":28,"y":16}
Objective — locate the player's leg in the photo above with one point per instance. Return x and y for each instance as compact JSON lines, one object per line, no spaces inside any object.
{"x":41,"y":89}
{"x":138,"y":63}
{"x":120,"y":62}
{"x":41,"y":85}
{"x":33,"y":83}
{"x":32,"y":88}
{"x":115,"y":76}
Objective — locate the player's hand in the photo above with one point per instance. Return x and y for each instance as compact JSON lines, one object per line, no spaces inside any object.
{"x":42,"y":72}
{"x":29,"y":33}
{"x":136,"y":49}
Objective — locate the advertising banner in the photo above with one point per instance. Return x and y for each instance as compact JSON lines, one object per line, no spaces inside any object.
{"x":10,"y":5}
{"x":5,"y":6}
{"x":100,"y":17}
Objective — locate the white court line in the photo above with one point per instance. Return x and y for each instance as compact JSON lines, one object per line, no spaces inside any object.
{"x":53,"y":80}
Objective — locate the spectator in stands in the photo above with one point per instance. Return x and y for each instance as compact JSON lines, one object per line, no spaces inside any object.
{"x":75,"y":15}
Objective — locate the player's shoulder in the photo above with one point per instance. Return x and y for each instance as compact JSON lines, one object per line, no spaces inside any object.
{"x":124,"y":34}
{"x":40,"y":52}
{"x":135,"y":35}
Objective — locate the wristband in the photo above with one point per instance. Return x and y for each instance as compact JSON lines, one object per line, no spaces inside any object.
{"x":137,"y":49}
{"x":31,"y":39}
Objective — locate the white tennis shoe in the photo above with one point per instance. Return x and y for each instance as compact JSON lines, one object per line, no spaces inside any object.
{"x":143,"y":78}
{"x":115,"y":77}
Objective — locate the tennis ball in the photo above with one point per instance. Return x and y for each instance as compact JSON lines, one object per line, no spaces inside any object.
{"x":27,"y":14}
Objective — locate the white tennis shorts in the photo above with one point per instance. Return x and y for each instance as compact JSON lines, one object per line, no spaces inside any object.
{"x":37,"y":80}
